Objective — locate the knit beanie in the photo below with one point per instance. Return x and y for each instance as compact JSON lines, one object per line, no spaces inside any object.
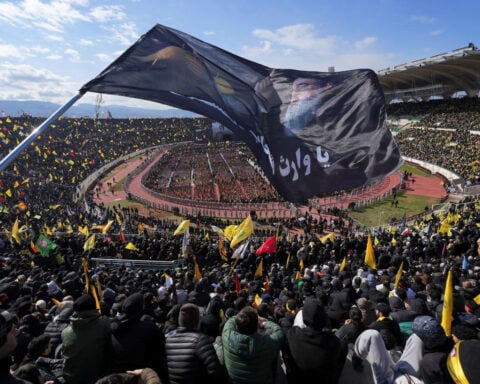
{"x":84,"y":303}
{"x":133,"y":305}
{"x":429,"y":330}
{"x":189,"y":316}
{"x":313,"y":314}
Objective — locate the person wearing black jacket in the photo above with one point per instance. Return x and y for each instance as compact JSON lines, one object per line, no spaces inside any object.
{"x":191,"y":357}
{"x":137,"y":343}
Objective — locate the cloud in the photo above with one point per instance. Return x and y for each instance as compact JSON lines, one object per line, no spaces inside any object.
{"x":423,"y":19}
{"x":26,"y":82}
{"x":13,"y":51}
{"x":73,"y":54}
{"x":85,"y":42}
{"x":123,"y":34}
{"x":299,"y":37}
{"x":103,"y":57}
{"x":266,"y":47}
{"x":51,"y":16}
{"x":436,"y":32}
{"x":106,"y":13}
{"x":364,"y":43}
{"x":54,"y":56}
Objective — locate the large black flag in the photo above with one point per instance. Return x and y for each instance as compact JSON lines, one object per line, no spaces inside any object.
{"x":311,"y":132}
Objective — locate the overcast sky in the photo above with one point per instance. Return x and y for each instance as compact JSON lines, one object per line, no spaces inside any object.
{"x":49,"y":49}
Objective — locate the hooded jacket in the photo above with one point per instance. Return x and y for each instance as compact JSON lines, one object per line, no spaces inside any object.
{"x":86,"y":347}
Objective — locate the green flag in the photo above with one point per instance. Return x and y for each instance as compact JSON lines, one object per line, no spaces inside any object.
{"x":45,"y":245}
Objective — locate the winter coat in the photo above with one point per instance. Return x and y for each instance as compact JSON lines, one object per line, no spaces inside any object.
{"x":315,"y":354}
{"x":86,"y":347}
{"x":192,"y":359}
{"x":138,"y":344}
{"x":251,"y":358}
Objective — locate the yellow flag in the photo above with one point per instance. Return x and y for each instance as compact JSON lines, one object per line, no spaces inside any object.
{"x":56,"y":302}
{"x":302,"y":265}
{"x":130,"y":246}
{"x":16,"y":232}
{"x":107,"y":226}
{"x":8,"y":192}
{"x":398,"y":276}
{"x":16,"y":184}
{"x":257,"y":301}
{"x":343,"y":264}
{"x":140,"y":227}
{"x":370,"y":254}
{"x":259,"y":271}
{"x":222,"y":249}
{"x":447,"y":310}
{"x":95,"y":296}
{"x":330,"y":236}
{"x":229,"y":231}
{"x":182,"y":227}
{"x":288,"y":261}
{"x":477,"y":299}
{"x":83,"y":230}
{"x":118,"y":218}
{"x":298,"y":276}
{"x":89,"y":243}
{"x":85,"y":271}
{"x":244,"y":230}
{"x":196,"y":268}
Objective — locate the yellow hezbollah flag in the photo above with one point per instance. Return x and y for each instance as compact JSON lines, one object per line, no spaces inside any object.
{"x":16,"y":232}
{"x":398,"y":276}
{"x":107,"y":226}
{"x":182,"y":227}
{"x":89,"y":243}
{"x":196,"y":268}
{"x":244,"y":230}
{"x":259,"y":271}
{"x":343,"y":264}
{"x":330,"y":236}
{"x":229,"y":231}
{"x":447,"y":310}
{"x":130,"y":246}
{"x":370,"y":254}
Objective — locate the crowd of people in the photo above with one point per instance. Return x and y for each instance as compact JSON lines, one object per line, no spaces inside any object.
{"x":276,"y":317}
{"x":302,"y":311}
{"x":219,"y":172}
{"x":442,"y":134}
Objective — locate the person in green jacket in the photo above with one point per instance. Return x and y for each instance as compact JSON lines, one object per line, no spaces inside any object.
{"x":251,"y":346}
{"x":86,"y":344}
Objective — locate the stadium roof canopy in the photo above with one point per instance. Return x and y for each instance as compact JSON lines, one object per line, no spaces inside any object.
{"x":440,"y":75}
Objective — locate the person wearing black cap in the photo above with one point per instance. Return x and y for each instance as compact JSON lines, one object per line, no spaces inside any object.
{"x":8,"y":342}
{"x":137,"y":343}
{"x":86,"y":343}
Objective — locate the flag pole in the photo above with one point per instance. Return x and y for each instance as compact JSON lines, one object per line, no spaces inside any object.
{"x":32,"y":136}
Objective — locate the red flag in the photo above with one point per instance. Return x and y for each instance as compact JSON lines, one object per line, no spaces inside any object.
{"x":444,"y":250}
{"x":238,"y":288}
{"x":121,"y":237}
{"x":269,"y":246}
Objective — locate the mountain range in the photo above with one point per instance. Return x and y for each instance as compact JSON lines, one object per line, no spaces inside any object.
{"x":45,"y":109}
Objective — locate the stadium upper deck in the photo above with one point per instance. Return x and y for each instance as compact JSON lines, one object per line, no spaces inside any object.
{"x":440,"y":75}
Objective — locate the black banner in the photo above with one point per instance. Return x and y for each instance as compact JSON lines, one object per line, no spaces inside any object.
{"x":311,"y":132}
